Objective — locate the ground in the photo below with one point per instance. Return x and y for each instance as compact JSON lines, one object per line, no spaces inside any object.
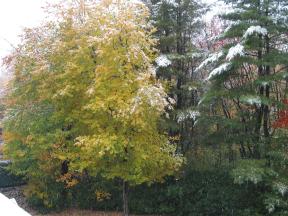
{"x":75,"y":212}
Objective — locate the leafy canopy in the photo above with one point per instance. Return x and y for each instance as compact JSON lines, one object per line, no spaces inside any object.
{"x":84,"y":97}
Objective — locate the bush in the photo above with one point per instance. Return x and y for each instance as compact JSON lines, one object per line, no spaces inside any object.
{"x":6,"y":178}
{"x":206,"y":192}
{"x":48,"y":195}
{"x":197,"y":193}
{"x":98,"y":193}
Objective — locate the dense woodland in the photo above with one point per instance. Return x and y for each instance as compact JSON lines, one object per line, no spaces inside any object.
{"x":149,"y":108}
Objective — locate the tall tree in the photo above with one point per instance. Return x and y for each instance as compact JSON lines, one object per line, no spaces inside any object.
{"x":246,"y":86}
{"x":126,"y":102}
{"x":85,"y":99}
{"x":178,"y":23}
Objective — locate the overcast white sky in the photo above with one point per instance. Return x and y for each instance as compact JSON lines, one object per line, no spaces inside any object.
{"x":14,"y":15}
{"x":17,"y":14}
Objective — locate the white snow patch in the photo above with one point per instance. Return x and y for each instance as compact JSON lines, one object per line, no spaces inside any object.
{"x":191,"y":88}
{"x":255,"y":100}
{"x":252,"y":100}
{"x":195,"y":55}
{"x":171,"y":2}
{"x":237,"y":50}
{"x":201,"y":101}
{"x":283,"y":47}
{"x":232,"y":10}
{"x":219,"y":70}
{"x":212,"y":58}
{"x":264,"y":83}
{"x":10,"y":208}
{"x":255,"y":29}
{"x":231,"y":25}
{"x":279,"y":15}
{"x":155,"y":96}
{"x":282,"y":188}
{"x":163,"y":61}
{"x":271,"y":208}
{"x":188,"y":114}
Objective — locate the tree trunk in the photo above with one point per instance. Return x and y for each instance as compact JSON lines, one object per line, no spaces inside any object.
{"x":64,"y":170}
{"x":267,"y":91}
{"x":125,"y":198}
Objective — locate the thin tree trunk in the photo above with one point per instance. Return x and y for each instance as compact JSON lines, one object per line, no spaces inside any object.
{"x":125,"y":198}
{"x":267,"y":92}
{"x":64,"y":170}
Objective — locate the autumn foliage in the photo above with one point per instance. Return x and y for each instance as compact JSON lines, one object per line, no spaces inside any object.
{"x":84,"y":100}
{"x":282,"y":121}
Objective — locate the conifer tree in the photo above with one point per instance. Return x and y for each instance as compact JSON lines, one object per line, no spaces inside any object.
{"x":178,"y":24}
{"x":246,"y":88}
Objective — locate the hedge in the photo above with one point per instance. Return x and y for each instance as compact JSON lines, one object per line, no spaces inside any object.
{"x":7,"y":179}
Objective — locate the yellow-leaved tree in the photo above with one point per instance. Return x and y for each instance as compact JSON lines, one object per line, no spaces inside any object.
{"x":126,"y":101}
{"x":87,"y":89}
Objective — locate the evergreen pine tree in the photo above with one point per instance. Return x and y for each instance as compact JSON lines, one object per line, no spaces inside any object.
{"x":178,"y":23}
{"x":246,"y":88}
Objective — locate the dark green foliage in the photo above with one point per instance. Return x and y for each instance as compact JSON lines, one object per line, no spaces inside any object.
{"x":84,"y":194}
{"x":55,"y":197}
{"x":244,"y":98}
{"x":207,"y":192}
{"x":177,"y":26}
{"x":198,"y":193}
{"x":7,"y":179}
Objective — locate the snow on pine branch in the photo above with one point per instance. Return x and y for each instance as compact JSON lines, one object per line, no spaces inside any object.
{"x":283,"y":48}
{"x":219,"y":70}
{"x":163,"y":61}
{"x":190,"y":55}
{"x":279,"y":16}
{"x":255,"y":29}
{"x":170,"y":2}
{"x":282,"y":188}
{"x":252,"y":100}
{"x":187,"y":114}
{"x":234,"y":51}
{"x":212,"y":58}
{"x":233,"y":24}
{"x":157,"y":6}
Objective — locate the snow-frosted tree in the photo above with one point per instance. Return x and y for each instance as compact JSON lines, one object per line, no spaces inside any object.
{"x":178,"y":23}
{"x":247,"y":83}
{"x":85,"y":100}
